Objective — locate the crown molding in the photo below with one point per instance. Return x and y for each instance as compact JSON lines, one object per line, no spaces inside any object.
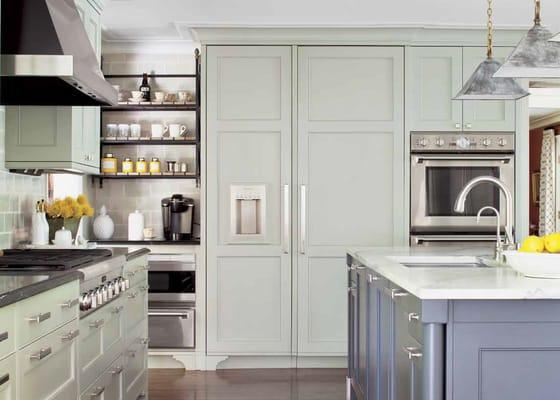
{"x":148,"y":46}
{"x":546,"y":121}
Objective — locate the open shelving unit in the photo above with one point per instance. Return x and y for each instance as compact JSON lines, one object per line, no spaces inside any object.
{"x":154,"y":106}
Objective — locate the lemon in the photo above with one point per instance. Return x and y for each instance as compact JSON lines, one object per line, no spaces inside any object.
{"x":552,"y":243}
{"x":535,"y":244}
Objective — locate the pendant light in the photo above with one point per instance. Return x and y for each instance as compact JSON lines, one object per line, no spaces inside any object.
{"x":535,"y":56}
{"x":482,"y":85}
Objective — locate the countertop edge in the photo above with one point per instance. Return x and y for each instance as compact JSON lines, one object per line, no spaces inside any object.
{"x":137,"y":253}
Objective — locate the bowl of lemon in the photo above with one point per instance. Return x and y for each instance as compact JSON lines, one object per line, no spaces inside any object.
{"x":538,"y":257}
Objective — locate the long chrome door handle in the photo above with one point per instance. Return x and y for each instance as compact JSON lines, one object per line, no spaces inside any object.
{"x":70,"y":303}
{"x":303,"y":219}
{"x":286,"y":241}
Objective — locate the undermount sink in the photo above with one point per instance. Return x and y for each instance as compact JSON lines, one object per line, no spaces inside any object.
{"x":441,"y":262}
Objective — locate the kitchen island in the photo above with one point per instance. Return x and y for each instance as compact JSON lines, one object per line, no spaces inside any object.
{"x":453,"y":330}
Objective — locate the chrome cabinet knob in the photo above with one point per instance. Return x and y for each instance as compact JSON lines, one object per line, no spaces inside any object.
{"x":457,"y":126}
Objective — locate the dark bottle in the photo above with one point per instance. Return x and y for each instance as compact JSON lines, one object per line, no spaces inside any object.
{"x":145,"y":88}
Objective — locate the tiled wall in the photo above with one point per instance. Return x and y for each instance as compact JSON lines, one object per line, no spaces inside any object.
{"x":122,"y":197}
{"x":18,"y":194}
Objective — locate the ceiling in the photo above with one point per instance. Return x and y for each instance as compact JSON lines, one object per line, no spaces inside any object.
{"x":139,"y":20}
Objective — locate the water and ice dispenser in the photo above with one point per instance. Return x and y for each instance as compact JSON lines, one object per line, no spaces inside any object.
{"x":248,"y":212}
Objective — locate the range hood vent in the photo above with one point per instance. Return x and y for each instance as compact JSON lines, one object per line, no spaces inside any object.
{"x":47,"y":58}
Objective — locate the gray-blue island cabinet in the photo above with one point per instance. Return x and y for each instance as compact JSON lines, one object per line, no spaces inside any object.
{"x":405,"y":348}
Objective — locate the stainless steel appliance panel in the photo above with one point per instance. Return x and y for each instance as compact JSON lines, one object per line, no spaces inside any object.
{"x":172,"y":278}
{"x":479,"y":241}
{"x":172,"y":328}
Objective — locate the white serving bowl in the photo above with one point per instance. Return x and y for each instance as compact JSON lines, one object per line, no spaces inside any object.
{"x":534,"y":265}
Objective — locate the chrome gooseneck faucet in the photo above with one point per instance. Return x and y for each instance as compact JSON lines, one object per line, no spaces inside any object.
{"x":460,"y":204}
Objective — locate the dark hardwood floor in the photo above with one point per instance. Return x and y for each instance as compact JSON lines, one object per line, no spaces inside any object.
{"x":248,"y":384}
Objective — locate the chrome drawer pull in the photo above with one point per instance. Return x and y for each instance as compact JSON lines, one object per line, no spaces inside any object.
{"x":394,"y":293}
{"x":71,"y":335}
{"x":132,"y":295}
{"x":3,"y":336}
{"x":98,"y":323}
{"x":372,"y":278}
{"x":145,"y":341}
{"x":70,"y":303}
{"x":98,"y":391}
{"x":117,"y":370}
{"x":144,"y":288}
{"x":37,"y":319}
{"x":168,"y":314}
{"x":4,"y":379}
{"x":41,"y":354}
{"x":412,"y":352}
{"x":413,"y":317}
{"x":117,"y":309}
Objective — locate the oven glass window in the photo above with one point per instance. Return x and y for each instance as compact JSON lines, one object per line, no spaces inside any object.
{"x":445,"y":183}
{"x":172,"y":281}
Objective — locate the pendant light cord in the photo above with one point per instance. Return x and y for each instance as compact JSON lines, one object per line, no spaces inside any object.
{"x":490,"y":26}
{"x":537,"y":12}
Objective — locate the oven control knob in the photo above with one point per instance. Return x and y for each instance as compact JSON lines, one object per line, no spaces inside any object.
{"x":423,"y":142}
{"x":486,"y":142}
{"x":501,"y":142}
{"x":440,"y":142}
{"x":463,"y":143}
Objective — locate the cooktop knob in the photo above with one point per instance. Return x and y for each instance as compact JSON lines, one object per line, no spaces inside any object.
{"x":486,"y":142}
{"x":502,"y":142}
{"x":423,"y":142}
{"x":463,"y":143}
{"x":440,"y":142}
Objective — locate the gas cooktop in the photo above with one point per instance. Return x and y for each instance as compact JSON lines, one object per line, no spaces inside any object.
{"x":50,"y":259}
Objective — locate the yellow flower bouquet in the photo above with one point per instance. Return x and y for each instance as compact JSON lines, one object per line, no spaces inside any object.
{"x":67,"y":213}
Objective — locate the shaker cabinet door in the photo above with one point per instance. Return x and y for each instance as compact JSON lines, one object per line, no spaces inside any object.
{"x":486,"y":115}
{"x":434,"y":77}
{"x":249,"y":101}
{"x":350,"y":177}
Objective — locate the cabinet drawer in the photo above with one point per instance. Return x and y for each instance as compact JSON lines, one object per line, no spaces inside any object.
{"x":40,"y":314}
{"x":136,"y":305}
{"x":47,"y":369}
{"x":8,"y":378}
{"x":110,"y":385}
{"x":136,"y":356}
{"x":7,"y":331}
{"x":136,"y":270}
{"x":139,"y":389}
{"x":101,"y":339}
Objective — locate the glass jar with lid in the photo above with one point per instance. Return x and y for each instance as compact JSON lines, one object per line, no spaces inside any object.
{"x":155,"y":166}
{"x":141,"y":165}
{"x":127,"y":166}
{"x":109,"y":164}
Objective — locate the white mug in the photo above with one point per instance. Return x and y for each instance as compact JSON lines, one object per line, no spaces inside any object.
{"x":136,"y":95}
{"x":123,"y":130}
{"x":158,"y":130}
{"x":159,"y":96}
{"x":182,"y":96}
{"x":135,"y":130}
{"x":63,"y":237}
{"x":111,"y":130}
{"x":176,"y":130}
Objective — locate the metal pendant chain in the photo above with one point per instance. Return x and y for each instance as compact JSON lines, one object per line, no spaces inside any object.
{"x":490,"y":26}
{"x":537,"y":12}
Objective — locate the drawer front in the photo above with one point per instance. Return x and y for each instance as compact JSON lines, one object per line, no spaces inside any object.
{"x":8,"y":378}
{"x":171,"y":328}
{"x":136,"y":357}
{"x":7,"y":331}
{"x":139,"y":389}
{"x":47,"y":368}
{"x":409,"y":309}
{"x":41,"y":314}
{"x":113,"y":330}
{"x":136,"y":305}
{"x":136,"y":270}
{"x":109,"y":386}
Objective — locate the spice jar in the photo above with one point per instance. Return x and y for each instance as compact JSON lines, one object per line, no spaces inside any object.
{"x":141,"y":165}
{"x":127,"y":166}
{"x":155,"y":166}
{"x":109,"y":164}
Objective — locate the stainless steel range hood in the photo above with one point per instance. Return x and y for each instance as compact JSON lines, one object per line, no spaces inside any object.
{"x":47,"y":58}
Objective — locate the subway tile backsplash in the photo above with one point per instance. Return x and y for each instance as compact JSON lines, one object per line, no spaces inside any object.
{"x":18,"y":194}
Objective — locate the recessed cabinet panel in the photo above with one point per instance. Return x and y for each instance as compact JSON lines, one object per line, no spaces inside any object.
{"x":8,"y":378}
{"x":326,"y":322}
{"x":360,"y":164}
{"x":244,"y":95}
{"x":344,"y":89}
{"x":435,"y":76}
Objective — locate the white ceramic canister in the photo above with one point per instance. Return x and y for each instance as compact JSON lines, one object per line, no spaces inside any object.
{"x":103,"y":225}
{"x":136,"y":226}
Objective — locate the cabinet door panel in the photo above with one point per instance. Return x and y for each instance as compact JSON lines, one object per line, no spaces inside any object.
{"x":249,"y":145}
{"x":8,"y":378}
{"x":350,"y":170}
{"x":486,"y":115}
{"x":434,"y":77}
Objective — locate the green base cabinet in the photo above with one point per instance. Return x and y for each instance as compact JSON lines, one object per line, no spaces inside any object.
{"x":8,"y":378}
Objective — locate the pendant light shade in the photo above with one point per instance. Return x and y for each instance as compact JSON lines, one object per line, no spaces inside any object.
{"x":536,"y":56}
{"x":556,"y":38}
{"x":482,"y":85}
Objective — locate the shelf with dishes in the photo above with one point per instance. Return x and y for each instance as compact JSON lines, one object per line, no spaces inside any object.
{"x":151,"y":106}
{"x":148,"y":141}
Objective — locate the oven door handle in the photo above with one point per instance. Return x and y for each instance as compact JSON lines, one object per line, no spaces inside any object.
{"x":504,"y":160}
{"x":168,"y":314}
{"x":456,"y":238}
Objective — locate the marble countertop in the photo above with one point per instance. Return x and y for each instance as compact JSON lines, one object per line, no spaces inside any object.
{"x":501,"y":283}
{"x":19,"y":285}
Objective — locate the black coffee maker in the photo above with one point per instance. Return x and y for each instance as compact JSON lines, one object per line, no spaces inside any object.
{"x":178,"y":217}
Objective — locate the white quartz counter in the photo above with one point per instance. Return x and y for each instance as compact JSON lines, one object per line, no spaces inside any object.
{"x":455,"y":283}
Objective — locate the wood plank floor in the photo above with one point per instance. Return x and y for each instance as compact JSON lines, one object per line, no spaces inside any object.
{"x":248,"y":384}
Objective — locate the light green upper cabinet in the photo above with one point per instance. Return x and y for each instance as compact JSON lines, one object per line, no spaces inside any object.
{"x":57,"y":137}
{"x":486,"y":115}
{"x":434,"y":76}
